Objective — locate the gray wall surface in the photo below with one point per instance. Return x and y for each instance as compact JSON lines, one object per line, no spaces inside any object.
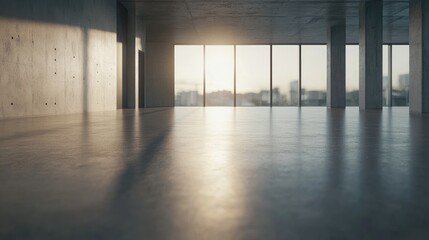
{"x":371,"y":55}
{"x":136,"y":41}
{"x":121,"y":36}
{"x":336,"y":67}
{"x":57,"y":57}
{"x":419,"y":56}
{"x":159,"y":87}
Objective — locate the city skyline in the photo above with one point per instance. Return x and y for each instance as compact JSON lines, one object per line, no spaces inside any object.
{"x":310,"y":97}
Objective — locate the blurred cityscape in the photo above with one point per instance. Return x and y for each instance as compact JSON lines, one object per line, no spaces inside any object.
{"x":399,"y":93}
{"x":290,"y":98}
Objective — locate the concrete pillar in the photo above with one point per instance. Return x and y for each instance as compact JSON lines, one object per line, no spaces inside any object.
{"x":419,"y":56}
{"x":370,"y":55}
{"x":121,"y":43}
{"x":131,"y":83}
{"x":160,"y":74}
{"x":136,"y":41}
{"x":337,"y":67}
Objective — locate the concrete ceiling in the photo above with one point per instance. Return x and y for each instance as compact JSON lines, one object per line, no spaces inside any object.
{"x":261,"y":21}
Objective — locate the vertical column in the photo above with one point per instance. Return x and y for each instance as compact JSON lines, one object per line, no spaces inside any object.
{"x":131,"y":85}
{"x":370,"y":55}
{"x":337,"y":67}
{"x":419,"y":56}
{"x":159,"y":74}
{"x":136,"y":41}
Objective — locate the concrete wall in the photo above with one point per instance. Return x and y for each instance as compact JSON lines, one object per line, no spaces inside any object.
{"x":371,"y":55}
{"x":140,"y":46}
{"x":136,"y":41}
{"x":336,"y":90}
{"x":121,"y":47}
{"x":419,"y":56}
{"x":57,"y":57}
{"x":159,"y":87}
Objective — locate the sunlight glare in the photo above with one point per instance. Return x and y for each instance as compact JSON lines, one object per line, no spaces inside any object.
{"x":219,"y":68}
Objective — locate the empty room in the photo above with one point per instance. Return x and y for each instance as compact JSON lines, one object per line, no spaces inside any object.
{"x":223,"y":119}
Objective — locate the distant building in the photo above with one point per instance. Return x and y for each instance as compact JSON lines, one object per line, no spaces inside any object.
{"x":400,"y":94}
{"x":254,"y":99}
{"x":294,"y":93}
{"x":278,"y":98}
{"x":352,"y":98}
{"x":386,"y":94}
{"x":188,"y":98}
{"x":313,"y":98}
{"x":404,"y":82}
{"x":220,"y":98}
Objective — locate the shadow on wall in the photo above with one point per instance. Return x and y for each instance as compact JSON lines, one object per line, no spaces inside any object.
{"x":57,"y":57}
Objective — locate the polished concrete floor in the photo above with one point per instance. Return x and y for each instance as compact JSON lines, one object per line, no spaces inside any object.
{"x":216,"y":173}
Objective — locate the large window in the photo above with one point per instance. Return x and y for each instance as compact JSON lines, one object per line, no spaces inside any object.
{"x":386,"y":75}
{"x":400,"y":74}
{"x":314,"y":75}
{"x":253,"y":75}
{"x":285,"y":75}
{"x":240,"y":75}
{"x":352,"y":75}
{"x":219,"y":75}
{"x":188,"y":75}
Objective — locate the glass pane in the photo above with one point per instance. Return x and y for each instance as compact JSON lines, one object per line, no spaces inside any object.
{"x":285,"y":75}
{"x":386,"y":87}
{"x":400,"y":74}
{"x":188,"y":75}
{"x":352,"y":75}
{"x":314,"y":75}
{"x":220,"y":75}
{"x":253,"y":75}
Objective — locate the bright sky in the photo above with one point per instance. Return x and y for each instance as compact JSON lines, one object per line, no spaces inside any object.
{"x":219,"y":68}
{"x":400,"y":63}
{"x":188,"y":68}
{"x":314,"y":67}
{"x":352,"y":67}
{"x":285,"y":66}
{"x":253,"y":68}
{"x":385,"y":61}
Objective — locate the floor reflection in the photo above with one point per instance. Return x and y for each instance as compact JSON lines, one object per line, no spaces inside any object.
{"x":210,"y":200}
{"x":216,"y":173}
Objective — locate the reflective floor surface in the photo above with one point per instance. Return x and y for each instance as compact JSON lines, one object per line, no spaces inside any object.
{"x":216,"y":173}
